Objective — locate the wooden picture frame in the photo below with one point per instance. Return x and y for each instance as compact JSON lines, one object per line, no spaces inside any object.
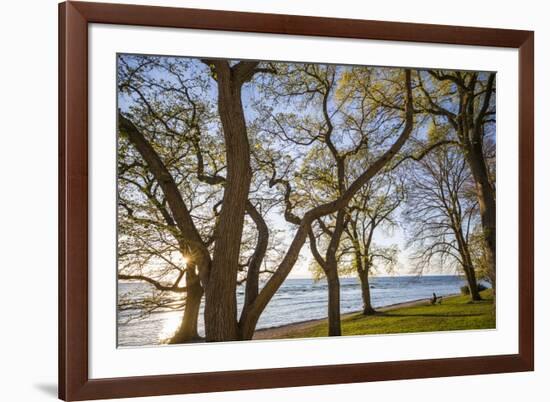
{"x":74,"y":381}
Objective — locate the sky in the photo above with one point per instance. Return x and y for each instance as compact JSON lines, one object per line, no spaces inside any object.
{"x":275,"y":218}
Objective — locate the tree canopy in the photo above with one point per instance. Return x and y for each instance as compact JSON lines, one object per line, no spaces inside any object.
{"x":230,"y":172}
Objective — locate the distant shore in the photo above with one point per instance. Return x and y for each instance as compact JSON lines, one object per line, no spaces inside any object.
{"x":282,"y":330}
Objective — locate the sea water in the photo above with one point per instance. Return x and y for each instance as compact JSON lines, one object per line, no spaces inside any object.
{"x":296,"y":300}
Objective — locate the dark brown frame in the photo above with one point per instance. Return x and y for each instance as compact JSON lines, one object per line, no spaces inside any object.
{"x":74,"y":383}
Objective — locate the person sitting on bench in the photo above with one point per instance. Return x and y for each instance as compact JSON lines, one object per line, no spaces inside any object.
{"x":436,"y":300}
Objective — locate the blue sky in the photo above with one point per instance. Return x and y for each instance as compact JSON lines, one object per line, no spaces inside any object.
{"x":250,"y":96}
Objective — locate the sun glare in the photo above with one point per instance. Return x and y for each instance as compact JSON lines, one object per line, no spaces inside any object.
{"x":169,"y":326}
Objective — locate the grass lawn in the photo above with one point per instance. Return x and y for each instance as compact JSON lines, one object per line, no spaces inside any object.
{"x":455,"y":313}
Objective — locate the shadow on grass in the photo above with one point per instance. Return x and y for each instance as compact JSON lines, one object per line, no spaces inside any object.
{"x":428,"y":315}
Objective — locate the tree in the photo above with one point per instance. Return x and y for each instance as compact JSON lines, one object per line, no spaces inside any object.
{"x":152,"y":159}
{"x":372,"y":209}
{"x":443,"y":211}
{"x":465,"y":101}
{"x":150,"y":250}
{"x":219,"y":258}
{"x":340,"y":125}
{"x":176,"y":119}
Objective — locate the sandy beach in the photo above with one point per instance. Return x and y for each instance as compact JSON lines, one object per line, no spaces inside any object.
{"x":279,"y":332}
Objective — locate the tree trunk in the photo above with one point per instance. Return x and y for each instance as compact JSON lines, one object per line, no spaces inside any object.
{"x":246,"y":325}
{"x":331,"y":271}
{"x":188,"y":328}
{"x":472,"y":282}
{"x":220,"y":313}
{"x":487,"y":205}
{"x":467,"y":264}
{"x":334,"y":324}
{"x":470,"y":274}
{"x":476,"y":160}
{"x":365,"y":293}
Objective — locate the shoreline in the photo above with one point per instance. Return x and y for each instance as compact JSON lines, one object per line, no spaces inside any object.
{"x":279,"y":331}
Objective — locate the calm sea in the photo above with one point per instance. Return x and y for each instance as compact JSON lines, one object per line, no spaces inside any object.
{"x":297,"y":300}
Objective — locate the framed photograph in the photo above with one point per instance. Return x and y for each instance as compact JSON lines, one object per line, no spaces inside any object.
{"x":260,"y":200}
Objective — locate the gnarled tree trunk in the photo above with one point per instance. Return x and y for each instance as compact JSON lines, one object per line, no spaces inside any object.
{"x":220,"y":313}
{"x":188,"y":330}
